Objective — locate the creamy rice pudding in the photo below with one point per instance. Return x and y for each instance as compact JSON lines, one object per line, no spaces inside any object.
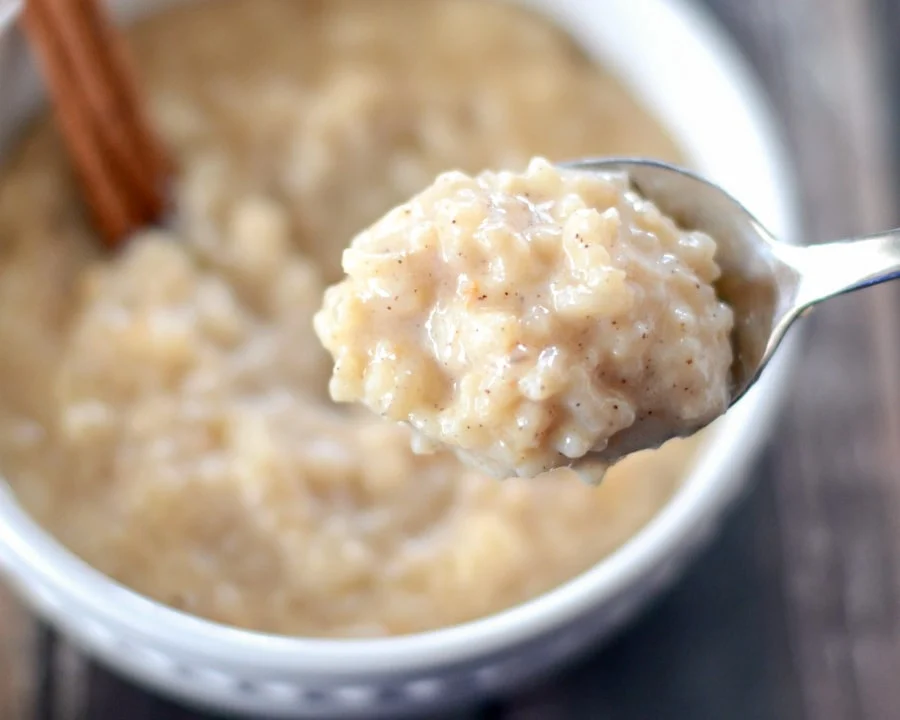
{"x":164,"y":411}
{"x":527,"y":319}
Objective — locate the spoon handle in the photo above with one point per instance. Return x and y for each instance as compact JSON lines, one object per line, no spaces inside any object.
{"x":836,"y":268}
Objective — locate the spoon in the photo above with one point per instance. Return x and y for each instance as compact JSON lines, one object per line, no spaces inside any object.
{"x":767,"y":283}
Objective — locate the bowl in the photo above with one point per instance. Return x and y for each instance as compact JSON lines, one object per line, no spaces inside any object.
{"x":689,"y":75}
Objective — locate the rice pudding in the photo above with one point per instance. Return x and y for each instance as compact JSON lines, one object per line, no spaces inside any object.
{"x":164,"y":410}
{"x":527,"y":319}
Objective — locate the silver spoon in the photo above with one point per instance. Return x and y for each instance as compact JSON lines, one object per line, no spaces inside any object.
{"x":769,"y":284}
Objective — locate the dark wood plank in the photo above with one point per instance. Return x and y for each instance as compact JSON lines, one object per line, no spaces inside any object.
{"x":17,"y":651}
{"x":45,"y":673}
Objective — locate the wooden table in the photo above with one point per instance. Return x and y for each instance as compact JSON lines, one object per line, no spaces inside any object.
{"x":793,"y":613}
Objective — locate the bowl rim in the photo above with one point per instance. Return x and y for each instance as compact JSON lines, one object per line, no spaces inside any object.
{"x":30,"y":556}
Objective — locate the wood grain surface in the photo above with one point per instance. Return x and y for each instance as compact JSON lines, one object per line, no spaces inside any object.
{"x":793,"y":613}
{"x":836,"y":463}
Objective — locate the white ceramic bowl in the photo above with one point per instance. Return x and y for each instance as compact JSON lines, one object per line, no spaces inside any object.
{"x":686,"y":71}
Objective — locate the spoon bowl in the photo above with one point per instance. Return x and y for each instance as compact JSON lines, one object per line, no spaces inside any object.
{"x":767,"y":283}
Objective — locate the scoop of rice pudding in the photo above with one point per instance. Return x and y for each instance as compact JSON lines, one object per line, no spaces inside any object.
{"x":527,"y":319}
